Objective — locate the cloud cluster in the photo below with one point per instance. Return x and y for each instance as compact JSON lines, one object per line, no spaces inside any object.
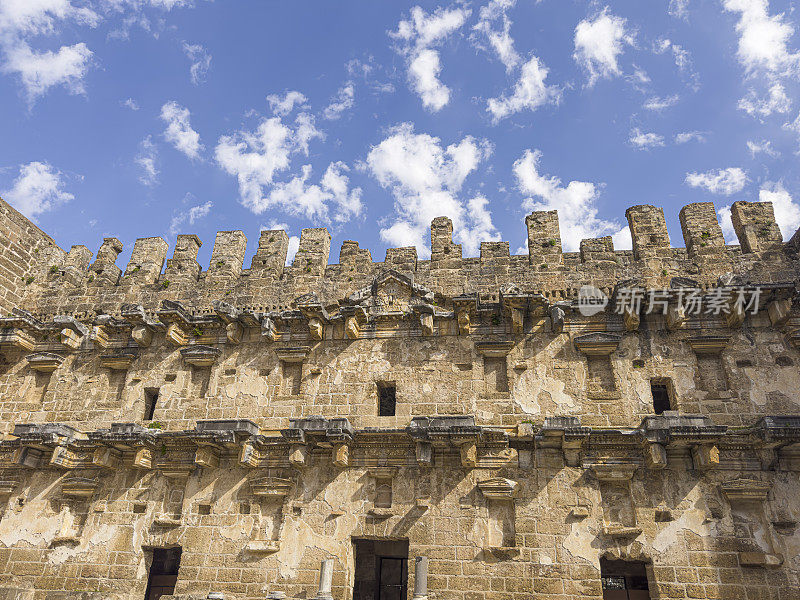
{"x":190,"y":216}
{"x":644,"y":141}
{"x":37,"y":189}
{"x":576,"y":203}
{"x":283,"y":105}
{"x":179,"y":131}
{"x":146,"y":160}
{"x":256,"y":157}
{"x":722,"y":181}
{"x":342,"y":102}
{"x":417,"y":36}
{"x":599,"y":43}
{"x":201,"y":61}
{"x":763,"y":38}
{"x":787,"y":212}
{"x":426,"y":179}
{"x":776,"y":101}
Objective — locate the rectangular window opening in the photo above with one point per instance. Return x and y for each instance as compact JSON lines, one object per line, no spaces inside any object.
{"x":150,"y":401}
{"x":624,"y":580}
{"x":659,"y":389}
{"x":163,"y":574}
{"x":495,"y":373}
{"x":292,"y":377}
{"x":387,"y":399}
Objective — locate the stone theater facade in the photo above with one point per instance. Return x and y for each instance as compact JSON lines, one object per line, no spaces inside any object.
{"x":453,"y":428}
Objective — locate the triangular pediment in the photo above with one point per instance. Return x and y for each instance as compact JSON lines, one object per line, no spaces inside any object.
{"x":391,"y":291}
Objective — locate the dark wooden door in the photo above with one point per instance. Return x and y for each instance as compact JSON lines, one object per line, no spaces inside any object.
{"x":392,"y":584}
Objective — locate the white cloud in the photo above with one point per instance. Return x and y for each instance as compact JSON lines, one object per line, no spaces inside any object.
{"x":21,"y":20}
{"x":681,"y":57}
{"x":190,"y":216}
{"x":576,"y":202}
{"x":599,"y":43}
{"x":146,"y":161}
{"x":129,"y":103}
{"x":283,"y":105}
{"x":764,"y":146}
{"x":201,"y":61}
{"x":40,"y":71}
{"x":793,"y":126}
{"x":645,"y":141}
{"x":722,"y":181}
{"x":679,"y":8}
{"x":725,"y":222}
{"x":763,"y":39}
{"x":787,"y":212}
{"x":179,"y":131}
{"x":499,"y":39}
{"x":657,"y":103}
{"x":343,"y":101}
{"x":417,"y":36}
{"x":688,"y":136}
{"x":530,"y":92}
{"x":37,"y":189}
{"x":425,"y":179}
{"x":776,"y":102}
{"x":255,"y":158}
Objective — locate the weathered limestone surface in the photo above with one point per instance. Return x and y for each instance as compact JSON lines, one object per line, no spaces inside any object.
{"x":236,"y":413}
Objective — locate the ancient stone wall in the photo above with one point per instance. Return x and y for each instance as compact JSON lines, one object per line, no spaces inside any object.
{"x":266,"y":419}
{"x":25,"y":253}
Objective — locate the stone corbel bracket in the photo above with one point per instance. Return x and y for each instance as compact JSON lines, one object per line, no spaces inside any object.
{"x":21,"y":331}
{"x":179,"y":322}
{"x":292,"y":353}
{"x":104,"y":328}
{"x":597,"y":344}
{"x":142,"y":327}
{"x":495,"y":349}
{"x":120,"y":359}
{"x":71,"y":332}
{"x":631,"y":312}
{"x":79,"y":487}
{"x":355,"y":317}
{"x":517,"y":306}
{"x":306,"y":433}
{"x":499,"y":488}
{"x":708,"y":344}
{"x":44,"y":362}
{"x":35,"y":440}
{"x":214,"y":437}
{"x":445,"y":431}
{"x":697,"y":432}
{"x":316,"y":314}
{"x":236,"y":320}
{"x":465,"y":308}
{"x":565,"y":433}
{"x":773,"y":434}
{"x":200,"y":356}
{"x":275,"y":489}
{"x":124,"y":437}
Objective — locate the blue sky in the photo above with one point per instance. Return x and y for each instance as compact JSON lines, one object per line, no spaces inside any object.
{"x":136,"y":118}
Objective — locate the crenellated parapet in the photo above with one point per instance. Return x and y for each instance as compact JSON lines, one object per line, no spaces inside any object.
{"x":70,"y":282}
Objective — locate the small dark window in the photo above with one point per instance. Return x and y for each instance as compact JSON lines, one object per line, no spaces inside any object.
{"x":163,"y":573}
{"x":660,"y":393}
{"x":783,"y":361}
{"x":203,"y":509}
{"x":623,"y":580}
{"x":139,"y":508}
{"x":150,"y":401}
{"x":387,"y":399}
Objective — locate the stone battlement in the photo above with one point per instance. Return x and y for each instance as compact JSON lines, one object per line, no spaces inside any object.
{"x":58,"y":282}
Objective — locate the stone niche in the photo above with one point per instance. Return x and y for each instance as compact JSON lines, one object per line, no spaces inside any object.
{"x":500,"y":495}
{"x":748,"y":502}
{"x":601,"y":381}
{"x":619,"y":509}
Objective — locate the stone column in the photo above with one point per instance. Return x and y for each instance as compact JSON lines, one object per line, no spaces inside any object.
{"x":325,"y":580}
{"x":421,"y":578}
